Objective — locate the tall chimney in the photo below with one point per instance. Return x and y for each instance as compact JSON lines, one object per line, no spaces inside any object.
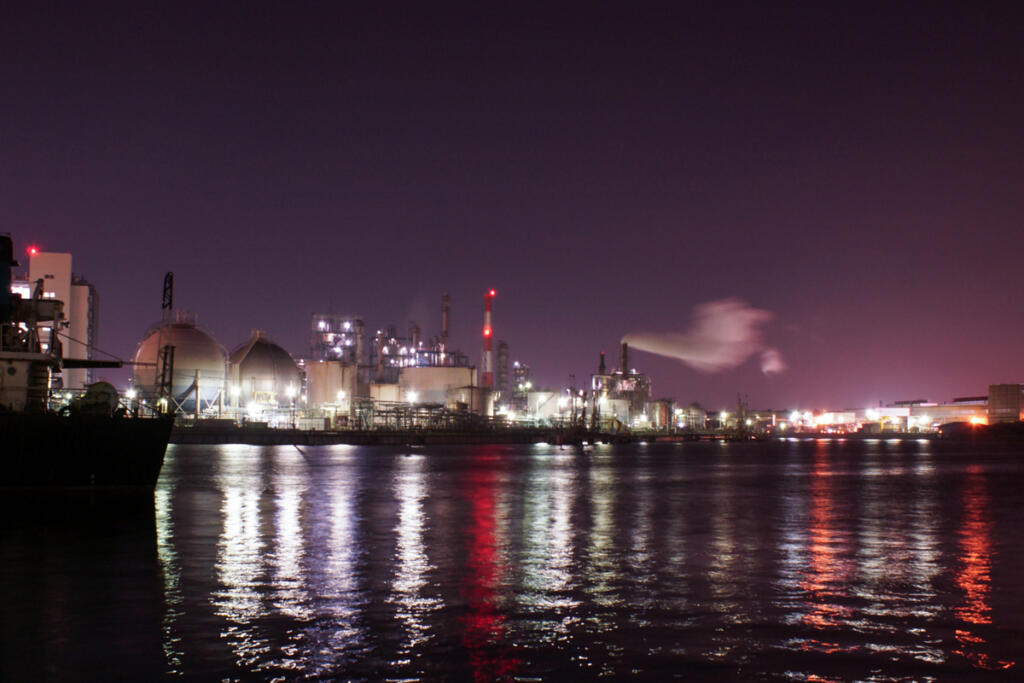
{"x":414,"y":336}
{"x":445,"y":309}
{"x":625,"y":358}
{"x":600,"y":366}
{"x":488,"y":335}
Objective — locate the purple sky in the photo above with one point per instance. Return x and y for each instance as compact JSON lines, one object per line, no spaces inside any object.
{"x":858,"y":171}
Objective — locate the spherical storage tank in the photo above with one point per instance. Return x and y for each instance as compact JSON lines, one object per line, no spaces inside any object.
{"x":264,"y":372}
{"x":194,"y":350}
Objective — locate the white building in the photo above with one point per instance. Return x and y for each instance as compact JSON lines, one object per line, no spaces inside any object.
{"x":81,"y":308}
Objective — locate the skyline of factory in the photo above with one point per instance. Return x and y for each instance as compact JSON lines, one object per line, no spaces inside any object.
{"x":359,"y":371}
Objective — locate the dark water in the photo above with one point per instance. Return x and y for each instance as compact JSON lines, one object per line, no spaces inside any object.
{"x":807,"y":561}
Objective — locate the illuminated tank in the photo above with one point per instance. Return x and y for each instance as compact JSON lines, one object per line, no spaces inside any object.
{"x":195,"y":350}
{"x":263,"y":372}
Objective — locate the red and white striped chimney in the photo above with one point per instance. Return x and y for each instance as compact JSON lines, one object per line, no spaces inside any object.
{"x":488,"y":335}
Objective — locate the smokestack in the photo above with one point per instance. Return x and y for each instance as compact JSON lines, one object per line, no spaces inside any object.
{"x":600,"y":366}
{"x":445,"y":310}
{"x":625,"y":358}
{"x":488,"y":335}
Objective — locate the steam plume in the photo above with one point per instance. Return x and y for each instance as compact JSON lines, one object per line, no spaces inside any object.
{"x":722,"y":335}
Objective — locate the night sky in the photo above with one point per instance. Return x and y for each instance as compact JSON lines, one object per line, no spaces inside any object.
{"x":857,"y":170}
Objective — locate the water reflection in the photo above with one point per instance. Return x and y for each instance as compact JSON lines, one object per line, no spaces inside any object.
{"x":170,"y":567}
{"x":483,"y":638}
{"x":828,"y":565}
{"x":974,"y":576}
{"x":411,"y":563}
{"x":822,"y":562}
{"x":338,"y":585}
{"x":290,"y":596}
{"x":241,"y":568}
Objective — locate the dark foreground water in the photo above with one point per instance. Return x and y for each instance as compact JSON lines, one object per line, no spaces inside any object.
{"x":809,"y":561}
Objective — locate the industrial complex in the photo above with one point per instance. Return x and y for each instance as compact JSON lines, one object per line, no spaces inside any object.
{"x":358,"y":377}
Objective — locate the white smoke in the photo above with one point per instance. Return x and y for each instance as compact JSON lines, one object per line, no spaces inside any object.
{"x":722,"y":335}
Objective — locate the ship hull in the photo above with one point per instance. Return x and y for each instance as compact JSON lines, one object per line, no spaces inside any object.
{"x":49,"y":450}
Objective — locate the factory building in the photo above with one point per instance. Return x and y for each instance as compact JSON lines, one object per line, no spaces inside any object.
{"x":53,"y":272}
{"x":501,"y":378}
{"x":1005,"y":403}
{"x":621,"y":396}
{"x":337,"y":338}
{"x":435,"y":384}
{"x":332,"y":382}
{"x":402,"y":372}
{"x":522,"y":384}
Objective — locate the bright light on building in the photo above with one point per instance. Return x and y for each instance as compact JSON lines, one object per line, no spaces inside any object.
{"x":235,"y":390}
{"x":341,"y":395}
{"x":131,"y":394}
{"x":290,"y":391}
{"x":412,"y":397}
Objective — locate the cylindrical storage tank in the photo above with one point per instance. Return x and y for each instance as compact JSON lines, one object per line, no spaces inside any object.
{"x":195,"y":350}
{"x":263,"y":372}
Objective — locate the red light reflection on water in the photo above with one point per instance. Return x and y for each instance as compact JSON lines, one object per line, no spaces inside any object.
{"x":826,"y":569}
{"x":483,"y":637}
{"x":974,"y":577}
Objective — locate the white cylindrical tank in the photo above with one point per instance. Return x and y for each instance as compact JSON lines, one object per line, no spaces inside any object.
{"x":195,"y":350}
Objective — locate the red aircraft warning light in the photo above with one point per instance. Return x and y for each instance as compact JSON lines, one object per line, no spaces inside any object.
{"x":32,"y":251}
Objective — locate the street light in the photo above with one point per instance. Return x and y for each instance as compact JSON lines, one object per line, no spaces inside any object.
{"x":290,"y":392}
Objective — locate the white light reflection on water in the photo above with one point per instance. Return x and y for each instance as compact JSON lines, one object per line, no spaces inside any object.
{"x":240,"y":566}
{"x":547,"y":563}
{"x":723,"y":564}
{"x":289,"y":591}
{"x":600,"y":569}
{"x":171,"y":569}
{"x":640,"y":555}
{"x":792,"y":543}
{"x":343,"y":601}
{"x":411,"y":563}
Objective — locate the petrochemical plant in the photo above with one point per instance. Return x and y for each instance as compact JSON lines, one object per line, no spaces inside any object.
{"x":359,"y":378}
{"x":351,"y":378}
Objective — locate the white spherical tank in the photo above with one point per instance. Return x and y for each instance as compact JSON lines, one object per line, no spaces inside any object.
{"x":195,"y":350}
{"x":264,"y":372}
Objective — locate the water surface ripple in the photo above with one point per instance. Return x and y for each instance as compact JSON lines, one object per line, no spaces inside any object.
{"x":801,"y":561}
